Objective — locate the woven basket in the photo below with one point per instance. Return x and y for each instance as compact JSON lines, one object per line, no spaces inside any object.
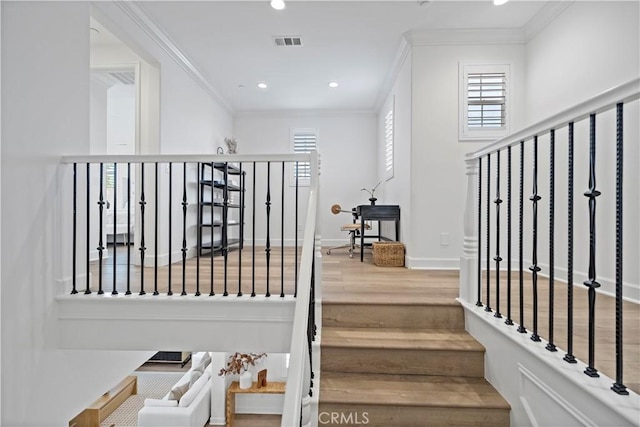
{"x":388,"y":254}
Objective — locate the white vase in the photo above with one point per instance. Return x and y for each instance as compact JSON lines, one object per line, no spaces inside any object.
{"x":246,"y":380}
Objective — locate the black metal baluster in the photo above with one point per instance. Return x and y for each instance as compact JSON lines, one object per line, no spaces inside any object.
{"x":143,"y":248}
{"x":211,"y":254}
{"x":535,"y":197}
{"x":282,"y":236}
{"x":199,"y":192}
{"x":498,"y":258}
{"x":253,"y":234}
{"x":552,"y":189}
{"x":225,"y":226}
{"x":569,"y":357}
{"x":241,"y":232}
{"x":156,"y":243}
{"x":200,"y":228}
{"x":184,"y":229}
{"x":170,"y":292}
{"x":128,"y":292}
{"x":268,"y":205}
{"x":521,"y":327}
{"x":74,"y":237}
{"x":115,"y":236}
{"x":488,"y":302}
{"x":591,"y":283}
{"x":87,"y":290}
{"x":295,"y":244}
{"x":509,"y":321}
{"x":100,"y":248}
{"x":479,"y":300}
{"x":618,"y":386}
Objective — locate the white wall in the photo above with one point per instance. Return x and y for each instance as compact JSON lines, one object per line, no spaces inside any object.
{"x":438,"y":178}
{"x":398,"y":190}
{"x":45,"y":77}
{"x":347,"y":143}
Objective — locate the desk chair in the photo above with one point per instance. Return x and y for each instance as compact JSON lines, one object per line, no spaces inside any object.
{"x":353,"y":228}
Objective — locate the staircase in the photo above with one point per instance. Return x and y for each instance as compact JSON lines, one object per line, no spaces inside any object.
{"x":407,"y":363}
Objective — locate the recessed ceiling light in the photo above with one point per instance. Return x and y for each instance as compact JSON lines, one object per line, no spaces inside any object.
{"x":278,"y":4}
{"x":499,"y":2}
{"x":333,"y":84}
{"x":262,"y":85}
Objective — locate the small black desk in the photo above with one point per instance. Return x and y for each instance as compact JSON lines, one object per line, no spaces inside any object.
{"x":377,"y":213}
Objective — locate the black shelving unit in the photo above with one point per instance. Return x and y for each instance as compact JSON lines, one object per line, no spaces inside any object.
{"x":220,"y":213}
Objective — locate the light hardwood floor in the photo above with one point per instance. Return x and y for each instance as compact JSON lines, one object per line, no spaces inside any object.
{"x":347,"y":279}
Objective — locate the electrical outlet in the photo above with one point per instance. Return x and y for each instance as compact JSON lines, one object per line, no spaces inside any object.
{"x":444,"y":239}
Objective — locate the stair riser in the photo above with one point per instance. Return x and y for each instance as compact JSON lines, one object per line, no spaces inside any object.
{"x":392,"y":316}
{"x":406,"y":416}
{"x":411,"y":362}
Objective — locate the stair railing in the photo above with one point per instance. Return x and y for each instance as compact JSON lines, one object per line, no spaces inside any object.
{"x":485,"y":209}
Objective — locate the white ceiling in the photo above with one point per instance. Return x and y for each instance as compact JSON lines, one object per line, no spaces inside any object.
{"x":351,"y":42}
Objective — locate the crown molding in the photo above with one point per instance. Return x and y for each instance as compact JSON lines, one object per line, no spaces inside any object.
{"x":544,"y":17}
{"x":318,"y":113}
{"x":390,"y":79}
{"x":151,"y":29}
{"x":466,"y":37}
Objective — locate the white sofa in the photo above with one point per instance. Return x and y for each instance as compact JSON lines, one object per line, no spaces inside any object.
{"x":193,"y":406}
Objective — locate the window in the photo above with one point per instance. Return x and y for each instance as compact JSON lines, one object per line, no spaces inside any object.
{"x":484,"y":101}
{"x":303,"y":141}
{"x":388,"y":141}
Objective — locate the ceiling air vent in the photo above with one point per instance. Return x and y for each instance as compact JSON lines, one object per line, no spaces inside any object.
{"x":285,"y":41}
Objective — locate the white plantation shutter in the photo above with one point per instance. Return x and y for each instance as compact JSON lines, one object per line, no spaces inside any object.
{"x":388,"y":143}
{"x":303,"y":141}
{"x":486,"y":100}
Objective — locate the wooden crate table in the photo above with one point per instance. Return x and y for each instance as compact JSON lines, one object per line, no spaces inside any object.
{"x":234,"y":388}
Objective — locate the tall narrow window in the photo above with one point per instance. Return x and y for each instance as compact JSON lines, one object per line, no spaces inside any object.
{"x":388,"y":141}
{"x":484,"y":101}
{"x":303,"y":141}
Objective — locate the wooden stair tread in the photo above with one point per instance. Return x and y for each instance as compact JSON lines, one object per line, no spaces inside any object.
{"x":389,"y":300}
{"x":401,"y":339}
{"x":409,"y":390}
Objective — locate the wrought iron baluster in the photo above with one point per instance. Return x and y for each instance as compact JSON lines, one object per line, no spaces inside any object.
{"x":241,"y":232}
{"x":521,"y":327}
{"x":199,"y":192}
{"x":619,"y":386}
{"x":479,"y":300}
{"x":497,"y":258}
{"x":591,"y":282}
{"x":143,"y":248}
{"x":170,"y":292}
{"x":101,"y":204}
{"x":552,"y":188}
{"x":268,"y":243}
{"x":569,"y":357}
{"x":115,"y":236}
{"x":535,"y":198}
{"x":155,"y":225}
{"x":87,"y":290}
{"x":488,"y":302}
{"x":128,"y":292}
{"x":184,"y":229}
{"x":509,"y":321}
{"x":75,"y":222}
{"x":211,"y":254}
{"x":253,"y":233}
{"x":282,"y":235}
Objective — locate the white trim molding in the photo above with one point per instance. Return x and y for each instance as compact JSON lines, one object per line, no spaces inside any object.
{"x":432,"y":263}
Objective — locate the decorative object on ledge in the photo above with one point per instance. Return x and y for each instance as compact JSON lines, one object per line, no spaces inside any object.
{"x":262,"y":378}
{"x":232,"y":145}
{"x":239,"y":364}
{"x":372,"y":199}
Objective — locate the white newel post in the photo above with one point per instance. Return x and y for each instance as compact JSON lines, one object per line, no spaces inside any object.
{"x":469,"y":260}
{"x":305,"y":404}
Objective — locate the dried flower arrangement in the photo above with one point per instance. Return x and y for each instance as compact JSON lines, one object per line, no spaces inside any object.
{"x":240,"y":362}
